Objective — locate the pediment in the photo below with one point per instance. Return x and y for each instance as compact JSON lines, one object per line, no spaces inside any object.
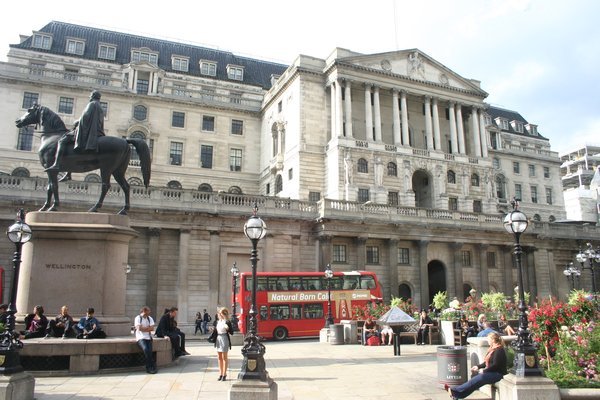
{"x":413,"y":64}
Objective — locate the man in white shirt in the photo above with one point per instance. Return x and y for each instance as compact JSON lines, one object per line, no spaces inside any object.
{"x":144,"y":325}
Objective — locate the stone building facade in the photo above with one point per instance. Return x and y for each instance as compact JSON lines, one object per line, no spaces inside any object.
{"x":388,"y":162}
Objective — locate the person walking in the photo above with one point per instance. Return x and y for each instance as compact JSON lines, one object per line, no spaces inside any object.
{"x":144,"y":325}
{"x":223,"y":342}
{"x":206,"y":318}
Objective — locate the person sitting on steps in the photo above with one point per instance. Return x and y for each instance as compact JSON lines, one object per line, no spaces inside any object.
{"x":61,"y":326}
{"x":89,"y":327}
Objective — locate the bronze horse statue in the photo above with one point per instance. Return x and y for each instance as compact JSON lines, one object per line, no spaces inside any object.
{"x":112,"y":157}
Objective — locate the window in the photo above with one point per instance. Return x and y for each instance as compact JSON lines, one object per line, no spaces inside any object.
{"x":280,"y":106}
{"x":103,"y":78}
{"x":205,"y":187}
{"x":313,"y":311}
{"x":178,"y":119}
{"x":180,"y":64}
{"x":104,"y":107}
{"x":363,"y":195}
{"x":518,"y":191}
{"x":65,"y":105}
{"x":290,"y":174}
{"x":546,"y":172}
{"x":372,"y":255}
{"x":235,"y":72}
{"x":206,"y":156}
{"x":392,"y":169}
{"x":451,"y":176}
{"x":107,"y":52}
{"x":403,"y":255}
{"x":494,"y":140}
{"x":208,"y":123}
{"x":278,"y":184}
{"x":362,"y":166}
{"x":534,"y":196}
{"x":477,"y":208}
{"x":135,"y":158}
{"x":268,"y":188}
{"x":140,"y":112}
{"x":339,"y":253}
{"x":548,"y":196}
{"x":474,"y":180}
{"x":466,"y":258}
{"x":235,"y":159}
{"x":71,"y":74}
{"x":393,"y":199}
{"x":25,"y":139}
{"x":452,"y":203}
{"x":531,"y":170}
{"x":42,"y":41}
{"x":75,"y":47}
{"x":142,"y":86}
{"x":140,"y":56}
{"x":314,"y":196}
{"x":504,"y":124}
{"x":176,"y":153}
{"x":208,"y":68}
{"x":29,"y":99}
{"x":237,"y":127}
{"x":174,"y":185}
{"x":491,"y":259}
{"x":516,"y":167}
{"x":235,"y":97}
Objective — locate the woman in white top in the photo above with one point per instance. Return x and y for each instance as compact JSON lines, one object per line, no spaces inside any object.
{"x":223,"y":342}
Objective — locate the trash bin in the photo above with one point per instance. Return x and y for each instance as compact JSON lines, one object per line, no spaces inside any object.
{"x":452,"y":365}
{"x":336,"y":334}
{"x":350,"y":332}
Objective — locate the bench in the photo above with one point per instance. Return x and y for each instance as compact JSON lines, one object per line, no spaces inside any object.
{"x":57,"y":357}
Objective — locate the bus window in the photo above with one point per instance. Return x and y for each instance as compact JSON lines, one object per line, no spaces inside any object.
{"x":296,"y":283}
{"x":336,"y":283}
{"x":278,"y":283}
{"x":312,"y":283}
{"x":350,"y":282}
{"x":296,"y":311}
{"x":261,"y":284}
{"x":263,"y":313}
{"x":313,"y":311}
{"x":280,"y":312}
{"x":367,"y":282}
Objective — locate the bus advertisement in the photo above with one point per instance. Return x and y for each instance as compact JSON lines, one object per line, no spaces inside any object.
{"x":294,"y":304}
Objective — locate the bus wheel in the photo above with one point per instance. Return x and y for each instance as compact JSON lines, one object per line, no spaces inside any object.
{"x":280,"y":333}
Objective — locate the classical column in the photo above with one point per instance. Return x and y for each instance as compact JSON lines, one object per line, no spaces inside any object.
{"x":214,"y":268}
{"x":361,"y":252}
{"x":333,"y":110}
{"x":423,"y":273}
{"x":396,"y":118}
{"x":437,"y":143}
{"x":507,"y":268}
{"x":460,"y":129}
{"x":453,"y":135}
{"x":392,"y":271}
{"x":377,"y":110}
{"x":324,"y":250}
{"x":339,"y":113}
{"x":483,"y":135}
{"x":348,"y":108}
{"x":296,"y":253}
{"x":529,"y":252}
{"x":483,"y":269}
{"x":475,"y":132}
{"x":280,"y":127}
{"x":368,"y":113}
{"x":182,"y":275}
{"x":404,"y":110}
{"x":428,"y":130}
{"x":458,"y":272}
{"x":152,"y":273}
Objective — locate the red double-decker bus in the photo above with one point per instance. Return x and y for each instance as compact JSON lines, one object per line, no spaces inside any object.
{"x":294,"y":304}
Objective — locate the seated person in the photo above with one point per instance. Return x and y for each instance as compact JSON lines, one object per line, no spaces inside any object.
{"x":425,"y":322}
{"x":504,"y":327}
{"x":466,"y":331}
{"x":167,"y":327}
{"x":35,"y":324}
{"x":370,"y":328}
{"x":387,"y":335}
{"x":480,"y":321}
{"x":89,"y":327}
{"x":487,"y":329}
{"x":62,"y":325}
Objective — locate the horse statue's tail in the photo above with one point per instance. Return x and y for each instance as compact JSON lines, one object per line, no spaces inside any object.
{"x":144,"y":153}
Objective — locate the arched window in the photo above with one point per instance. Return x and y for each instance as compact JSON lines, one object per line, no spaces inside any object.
{"x":552,"y":218}
{"x":392,"y":169}
{"x":537,"y":218}
{"x":174,"y":185}
{"x":205,"y":187}
{"x":92,"y":178}
{"x":140,"y":112}
{"x":474,"y":180}
{"x":135,"y":181}
{"x":404,"y":291}
{"x":451,"y":176}
{"x":278,"y":184}
{"x":235,"y":190}
{"x":362,"y":166}
{"x":21,"y":172}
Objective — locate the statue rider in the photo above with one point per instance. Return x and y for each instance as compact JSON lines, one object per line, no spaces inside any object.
{"x":85,"y":134}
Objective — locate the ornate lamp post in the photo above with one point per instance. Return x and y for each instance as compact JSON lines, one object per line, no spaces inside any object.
{"x":253,"y":365}
{"x":328,"y":276}
{"x":572,"y":273}
{"x":526,"y":362}
{"x":18,"y":233}
{"x":593,"y":258}
{"x":235,"y":272}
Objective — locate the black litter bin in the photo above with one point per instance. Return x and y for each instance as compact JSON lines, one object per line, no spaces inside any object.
{"x":452,"y":365}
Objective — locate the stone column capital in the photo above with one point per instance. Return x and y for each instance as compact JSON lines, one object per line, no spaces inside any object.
{"x":154,"y":231}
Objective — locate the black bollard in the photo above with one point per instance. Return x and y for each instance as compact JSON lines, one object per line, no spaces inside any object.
{"x":396,"y":344}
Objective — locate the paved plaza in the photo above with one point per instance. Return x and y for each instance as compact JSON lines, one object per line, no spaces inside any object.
{"x":303,"y":370}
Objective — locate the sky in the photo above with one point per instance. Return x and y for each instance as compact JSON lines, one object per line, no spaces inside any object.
{"x":538,"y":57}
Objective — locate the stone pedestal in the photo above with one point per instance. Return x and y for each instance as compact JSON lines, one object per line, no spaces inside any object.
{"x":78,"y":260}
{"x":18,"y":386}
{"x":253,"y":390}
{"x":527,"y":388}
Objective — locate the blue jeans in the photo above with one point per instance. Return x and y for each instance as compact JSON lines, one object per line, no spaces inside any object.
{"x":146,"y":346}
{"x":475,"y":383}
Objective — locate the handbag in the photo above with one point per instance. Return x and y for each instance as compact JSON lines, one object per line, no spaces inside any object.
{"x":213,"y":336}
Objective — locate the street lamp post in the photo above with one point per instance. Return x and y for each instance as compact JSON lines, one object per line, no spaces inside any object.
{"x":18,"y":233}
{"x":235,"y":272}
{"x":253,"y":365}
{"x":572,"y":273}
{"x":593,"y":258}
{"x":526,"y":361}
{"x":328,"y":275}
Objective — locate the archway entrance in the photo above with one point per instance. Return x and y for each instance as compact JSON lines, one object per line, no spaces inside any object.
{"x":437,"y":279}
{"x":422,"y":186}
{"x":404,"y":291}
